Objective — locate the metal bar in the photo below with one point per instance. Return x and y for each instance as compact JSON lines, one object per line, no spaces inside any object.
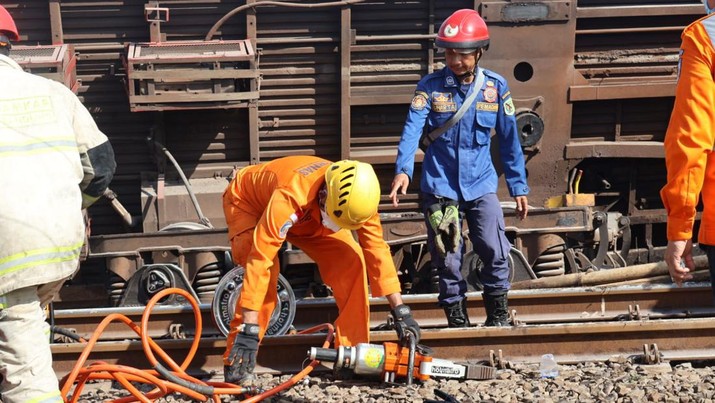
{"x":639,"y":11}
{"x":570,"y":343}
{"x":613,"y":149}
{"x":345,"y":58}
{"x":621,"y":91}
{"x":56,"y":22}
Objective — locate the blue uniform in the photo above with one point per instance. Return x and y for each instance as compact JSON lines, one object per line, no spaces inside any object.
{"x":458,"y":166}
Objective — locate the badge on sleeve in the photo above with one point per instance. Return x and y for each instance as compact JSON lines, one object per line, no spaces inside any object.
{"x":509,"y":107}
{"x":287,"y":225}
{"x":490,"y":94}
{"x":419,"y":101}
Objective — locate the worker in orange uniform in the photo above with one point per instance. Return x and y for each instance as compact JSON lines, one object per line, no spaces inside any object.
{"x":54,"y":162}
{"x":689,"y":157}
{"x":313,"y":204}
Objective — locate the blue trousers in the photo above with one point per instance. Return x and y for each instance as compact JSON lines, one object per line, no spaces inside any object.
{"x":710,"y":251}
{"x":485,"y":220}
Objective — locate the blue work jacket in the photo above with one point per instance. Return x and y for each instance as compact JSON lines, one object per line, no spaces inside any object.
{"x":458,"y":164}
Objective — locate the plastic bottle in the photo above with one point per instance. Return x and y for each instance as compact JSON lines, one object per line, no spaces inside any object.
{"x":548,"y":368}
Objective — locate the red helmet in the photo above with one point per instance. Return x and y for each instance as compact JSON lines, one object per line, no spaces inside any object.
{"x":7,"y":25}
{"x":464,"y":29}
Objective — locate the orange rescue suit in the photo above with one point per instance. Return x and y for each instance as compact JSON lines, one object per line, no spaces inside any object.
{"x":689,"y":140}
{"x":270,"y":203}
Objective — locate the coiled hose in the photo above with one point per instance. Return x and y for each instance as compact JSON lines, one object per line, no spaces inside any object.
{"x":174,"y":378}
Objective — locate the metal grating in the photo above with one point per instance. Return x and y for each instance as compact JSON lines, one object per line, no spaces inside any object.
{"x":56,"y":62}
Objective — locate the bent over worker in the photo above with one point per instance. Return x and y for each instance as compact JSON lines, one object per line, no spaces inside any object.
{"x":313,"y":204}
{"x":54,"y":162}
{"x":458,"y":177}
{"x":689,"y":157}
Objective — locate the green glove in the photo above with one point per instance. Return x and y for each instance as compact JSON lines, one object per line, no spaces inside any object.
{"x":435,"y":216}
{"x":449,"y":226}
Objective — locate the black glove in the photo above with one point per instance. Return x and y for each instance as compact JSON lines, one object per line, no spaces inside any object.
{"x":449,"y":227}
{"x":404,"y":323}
{"x":242,"y":358}
{"x":435,"y":217}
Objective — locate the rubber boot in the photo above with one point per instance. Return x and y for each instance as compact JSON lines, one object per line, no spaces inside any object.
{"x":457,"y":314}
{"x":497,"y":309}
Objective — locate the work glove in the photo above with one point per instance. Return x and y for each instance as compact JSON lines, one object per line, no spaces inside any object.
{"x":242,"y":358}
{"x":435,"y":216}
{"x":449,"y":227}
{"x":405,"y":323}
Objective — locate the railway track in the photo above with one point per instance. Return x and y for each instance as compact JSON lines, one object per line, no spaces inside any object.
{"x":576,"y":325}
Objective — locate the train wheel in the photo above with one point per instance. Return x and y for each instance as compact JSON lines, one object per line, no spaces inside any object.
{"x":229,"y":290}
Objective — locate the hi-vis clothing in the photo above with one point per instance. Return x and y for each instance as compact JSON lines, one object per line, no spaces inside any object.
{"x":53,"y":162}
{"x":268,"y":204}
{"x":690,"y":137}
{"x":50,"y":151}
{"x":470,"y":173}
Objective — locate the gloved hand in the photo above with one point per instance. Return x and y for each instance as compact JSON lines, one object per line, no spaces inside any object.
{"x":242,"y":358}
{"x":404,"y":323}
{"x":449,"y":227}
{"x":435,"y":217}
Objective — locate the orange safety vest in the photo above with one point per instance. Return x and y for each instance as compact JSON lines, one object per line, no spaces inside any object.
{"x":690,"y":137}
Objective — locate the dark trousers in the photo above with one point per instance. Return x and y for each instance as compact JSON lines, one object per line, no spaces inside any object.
{"x":485,"y":220}
{"x":710,"y":251}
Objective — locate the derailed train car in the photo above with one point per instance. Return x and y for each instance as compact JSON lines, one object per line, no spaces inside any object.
{"x":187,"y":91}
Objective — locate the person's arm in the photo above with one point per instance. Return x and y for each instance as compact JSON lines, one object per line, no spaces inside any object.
{"x":381,"y":271}
{"x":509,"y":145}
{"x":409,"y":141}
{"x":383,"y":279}
{"x":690,"y":137}
{"x":688,"y":142}
{"x":96,"y":153}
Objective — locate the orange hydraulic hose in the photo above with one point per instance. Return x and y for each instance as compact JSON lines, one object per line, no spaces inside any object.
{"x":178,"y":379}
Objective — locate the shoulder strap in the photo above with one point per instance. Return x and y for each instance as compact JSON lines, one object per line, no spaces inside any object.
{"x":427,"y":139}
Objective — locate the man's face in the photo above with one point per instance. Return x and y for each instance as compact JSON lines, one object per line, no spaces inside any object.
{"x":461,"y":63}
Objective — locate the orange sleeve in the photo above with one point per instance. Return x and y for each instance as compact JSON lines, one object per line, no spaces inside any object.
{"x":381,"y":271}
{"x":268,"y":236}
{"x":689,"y":138}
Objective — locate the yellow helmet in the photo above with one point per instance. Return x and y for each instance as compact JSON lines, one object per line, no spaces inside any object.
{"x":353,"y":193}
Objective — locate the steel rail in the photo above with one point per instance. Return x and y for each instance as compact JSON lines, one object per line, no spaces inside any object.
{"x":527,"y":306}
{"x":673,"y":339}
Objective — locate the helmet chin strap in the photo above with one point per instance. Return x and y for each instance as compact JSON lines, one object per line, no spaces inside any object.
{"x":465,"y":76}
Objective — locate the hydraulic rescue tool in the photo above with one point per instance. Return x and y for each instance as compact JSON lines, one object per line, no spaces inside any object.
{"x":390,"y":361}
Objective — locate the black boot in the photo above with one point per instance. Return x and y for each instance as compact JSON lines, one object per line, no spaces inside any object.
{"x":457,"y":314}
{"x":497,"y":309}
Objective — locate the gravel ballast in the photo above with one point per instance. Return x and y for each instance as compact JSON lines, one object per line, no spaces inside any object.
{"x":613,"y":381}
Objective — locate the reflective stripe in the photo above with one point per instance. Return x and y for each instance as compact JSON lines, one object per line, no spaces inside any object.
{"x":38,"y":257}
{"x":47,"y":398}
{"x":35,"y":147}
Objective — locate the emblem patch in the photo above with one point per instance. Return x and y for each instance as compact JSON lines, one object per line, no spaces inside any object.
{"x":287,"y":225}
{"x":509,"y":107}
{"x":490,"y":94}
{"x":443,"y":102}
{"x":419,"y":101}
{"x":488,"y":107}
{"x":449,"y":80}
{"x":450,"y":31}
